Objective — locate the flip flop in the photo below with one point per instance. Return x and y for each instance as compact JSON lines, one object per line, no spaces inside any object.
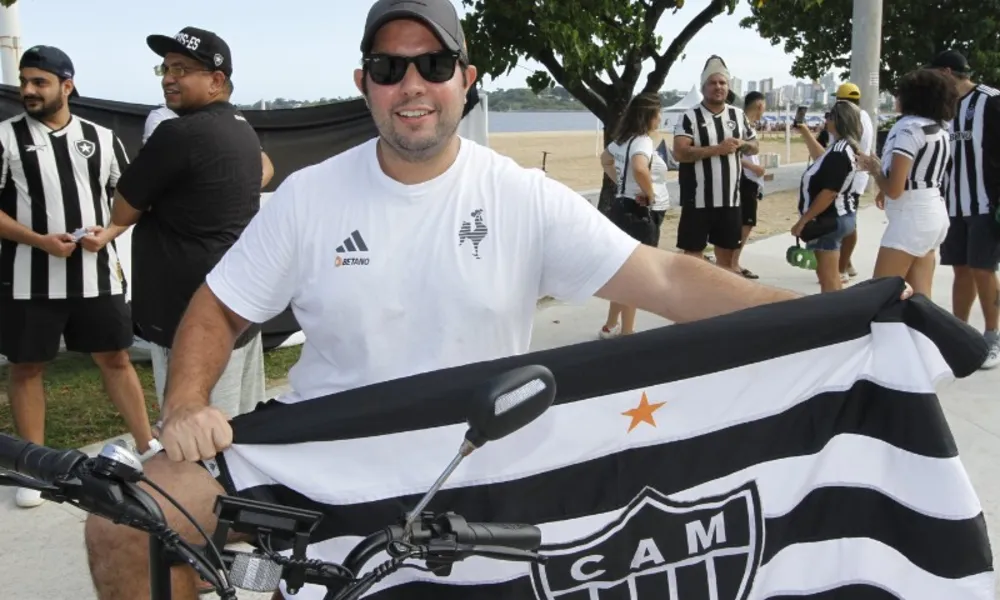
{"x":749,"y":274}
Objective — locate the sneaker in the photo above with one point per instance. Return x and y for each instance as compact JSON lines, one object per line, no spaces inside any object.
{"x":28,"y":498}
{"x":607,"y":334}
{"x":993,"y":358}
{"x":851,"y":271}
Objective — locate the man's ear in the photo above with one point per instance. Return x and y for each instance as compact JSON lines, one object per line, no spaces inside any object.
{"x":359,"y":80}
{"x":68,"y":87}
{"x":471,"y":74}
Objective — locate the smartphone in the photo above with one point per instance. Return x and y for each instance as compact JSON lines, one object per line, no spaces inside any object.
{"x":800,"y":114}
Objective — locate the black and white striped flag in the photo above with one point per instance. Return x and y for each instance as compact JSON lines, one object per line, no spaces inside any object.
{"x":789,"y":451}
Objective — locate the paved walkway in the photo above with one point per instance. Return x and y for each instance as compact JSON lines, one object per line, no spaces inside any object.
{"x":51,"y":535}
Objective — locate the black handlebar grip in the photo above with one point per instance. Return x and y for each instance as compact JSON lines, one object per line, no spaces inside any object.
{"x":39,"y":462}
{"x":508,"y":535}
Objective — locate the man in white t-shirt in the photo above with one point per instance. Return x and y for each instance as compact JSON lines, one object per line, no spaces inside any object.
{"x":851,"y":93}
{"x":413,"y":252}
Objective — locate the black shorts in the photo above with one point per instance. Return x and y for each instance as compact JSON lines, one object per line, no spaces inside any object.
{"x":972,"y":242}
{"x":698,"y":227}
{"x":30,"y":330}
{"x":750,"y":193}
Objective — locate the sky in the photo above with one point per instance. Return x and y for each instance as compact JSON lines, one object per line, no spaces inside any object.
{"x":308,"y":49}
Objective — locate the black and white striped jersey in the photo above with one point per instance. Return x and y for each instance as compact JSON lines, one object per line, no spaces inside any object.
{"x":973,"y":183}
{"x":926,"y":143}
{"x":834,"y":170}
{"x":58,"y":181}
{"x":712,"y":182}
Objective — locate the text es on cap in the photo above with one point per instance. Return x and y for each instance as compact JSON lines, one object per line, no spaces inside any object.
{"x":51,"y":60}
{"x":202,"y":45}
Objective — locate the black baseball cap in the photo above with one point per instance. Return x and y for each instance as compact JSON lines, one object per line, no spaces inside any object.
{"x":52,"y":60}
{"x":439,"y":15}
{"x":204,"y":46}
{"x":951,"y":59}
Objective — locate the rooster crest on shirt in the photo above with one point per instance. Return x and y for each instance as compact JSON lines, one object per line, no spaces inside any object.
{"x":474,"y":231}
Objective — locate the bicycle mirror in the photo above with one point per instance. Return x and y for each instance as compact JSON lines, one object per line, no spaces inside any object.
{"x":508,"y":402}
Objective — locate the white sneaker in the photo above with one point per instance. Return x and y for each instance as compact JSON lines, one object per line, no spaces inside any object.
{"x":607,"y":334}
{"x":28,"y":498}
{"x":993,"y":358}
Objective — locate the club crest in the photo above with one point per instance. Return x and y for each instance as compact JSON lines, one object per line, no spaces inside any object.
{"x":659,"y":548}
{"x":86,"y":148}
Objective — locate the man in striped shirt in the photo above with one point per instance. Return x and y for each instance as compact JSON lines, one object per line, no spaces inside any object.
{"x":972,"y":192}
{"x":60,"y":278}
{"x":709,"y":142}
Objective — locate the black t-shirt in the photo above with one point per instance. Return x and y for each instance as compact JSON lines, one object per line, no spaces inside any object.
{"x":197,"y":181}
{"x":834,"y":170}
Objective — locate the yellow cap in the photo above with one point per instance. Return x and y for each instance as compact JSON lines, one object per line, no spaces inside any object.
{"x":848,"y":91}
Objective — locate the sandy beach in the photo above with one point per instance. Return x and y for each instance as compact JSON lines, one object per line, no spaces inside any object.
{"x":573,"y":157}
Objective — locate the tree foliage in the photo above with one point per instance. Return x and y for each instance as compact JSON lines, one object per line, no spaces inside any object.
{"x":7,"y":3}
{"x":595,"y":49}
{"x":818,"y":34}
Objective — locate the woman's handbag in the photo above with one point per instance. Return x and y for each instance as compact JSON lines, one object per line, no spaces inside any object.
{"x":818,"y":227}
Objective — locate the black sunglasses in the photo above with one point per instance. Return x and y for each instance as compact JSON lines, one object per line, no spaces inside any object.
{"x":389,"y":69}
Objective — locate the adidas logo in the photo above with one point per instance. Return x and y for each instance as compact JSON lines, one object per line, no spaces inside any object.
{"x":354,"y":243}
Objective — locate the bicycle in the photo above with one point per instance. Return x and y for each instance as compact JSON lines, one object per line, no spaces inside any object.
{"x":108,"y":486}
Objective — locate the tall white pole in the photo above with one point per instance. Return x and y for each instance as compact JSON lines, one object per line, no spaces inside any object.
{"x":10,"y":43}
{"x":866,"y":52}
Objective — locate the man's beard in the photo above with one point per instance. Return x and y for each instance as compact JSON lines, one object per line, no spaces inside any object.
{"x":47,"y":108}
{"x":418,"y":150}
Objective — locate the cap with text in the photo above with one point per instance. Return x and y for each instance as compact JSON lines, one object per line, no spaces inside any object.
{"x":439,"y":15}
{"x":202,"y":45}
{"x":951,"y":59}
{"x":51,"y":60}
{"x":848,"y":91}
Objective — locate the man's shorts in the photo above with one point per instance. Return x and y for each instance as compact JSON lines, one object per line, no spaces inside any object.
{"x":750,"y":193}
{"x":240,"y":388}
{"x":698,"y":227}
{"x":30,"y":330}
{"x":972,"y":242}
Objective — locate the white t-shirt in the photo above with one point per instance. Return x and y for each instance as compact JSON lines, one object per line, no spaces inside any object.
{"x":641,"y":149}
{"x":389,"y":280}
{"x":755,"y":160}
{"x":156,"y":117}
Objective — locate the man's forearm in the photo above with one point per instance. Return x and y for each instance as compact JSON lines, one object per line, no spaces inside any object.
{"x":696,"y":289}
{"x":201,"y":349}
{"x":695,"y":153}
{"x":113,"y":230}
{"x":15,"y":232}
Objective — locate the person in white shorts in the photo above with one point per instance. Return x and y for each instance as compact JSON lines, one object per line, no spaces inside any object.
{"x":910,"y":177}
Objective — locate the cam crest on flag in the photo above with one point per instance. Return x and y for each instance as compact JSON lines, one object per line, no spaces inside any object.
{"x":659,"y":548}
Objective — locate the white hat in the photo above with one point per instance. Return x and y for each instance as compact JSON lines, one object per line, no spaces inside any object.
{"x":714,"y":66}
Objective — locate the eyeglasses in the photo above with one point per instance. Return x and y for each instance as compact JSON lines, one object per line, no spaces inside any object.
{"x":176,"y":70}
{"x":389,"y":69}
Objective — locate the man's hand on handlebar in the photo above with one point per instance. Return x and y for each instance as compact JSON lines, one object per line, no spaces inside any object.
{"x":193,"y":433}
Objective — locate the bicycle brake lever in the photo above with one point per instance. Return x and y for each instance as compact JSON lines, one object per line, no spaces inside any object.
{"x":500,"y":553}
{"x":10,"y":478}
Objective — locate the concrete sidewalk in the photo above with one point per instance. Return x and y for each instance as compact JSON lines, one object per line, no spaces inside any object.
{"x":51,"y":535}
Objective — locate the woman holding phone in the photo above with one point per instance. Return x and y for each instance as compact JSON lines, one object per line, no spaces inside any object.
{"x":641,"y":196}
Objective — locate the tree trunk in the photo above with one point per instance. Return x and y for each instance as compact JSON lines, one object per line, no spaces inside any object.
{"x":616,"y":109}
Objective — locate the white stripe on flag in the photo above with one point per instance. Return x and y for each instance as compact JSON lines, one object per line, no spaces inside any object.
{"x":593,"y":428}
{"x":811,"y":568}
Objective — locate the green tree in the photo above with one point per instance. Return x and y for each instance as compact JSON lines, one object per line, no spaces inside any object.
{"x":818,"y":33}
{"x":595,"y":49}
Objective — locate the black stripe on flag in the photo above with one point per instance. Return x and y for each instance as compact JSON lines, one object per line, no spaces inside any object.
{"x":97,"y":195}
{"x":858,"y":591}
{"x":39,"y":208}
{"x":8,"y":204}
{"x":72,"y":212}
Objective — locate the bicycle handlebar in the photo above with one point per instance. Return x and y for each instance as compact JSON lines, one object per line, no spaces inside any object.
{"x":107,"y":486}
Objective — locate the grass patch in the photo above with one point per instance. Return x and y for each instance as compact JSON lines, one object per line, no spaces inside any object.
{"x":77,"y":410}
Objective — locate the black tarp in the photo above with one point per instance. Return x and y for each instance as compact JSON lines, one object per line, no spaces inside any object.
{"x":292,"y":138}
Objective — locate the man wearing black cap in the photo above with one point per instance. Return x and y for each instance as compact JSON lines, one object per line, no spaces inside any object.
{"x":972,"y":246}
{"x":191,"y":191}
{"x":413,"y":252}
{"x":59,"y":271}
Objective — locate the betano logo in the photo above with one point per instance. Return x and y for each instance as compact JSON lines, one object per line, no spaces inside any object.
{"x":352,"y":244}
